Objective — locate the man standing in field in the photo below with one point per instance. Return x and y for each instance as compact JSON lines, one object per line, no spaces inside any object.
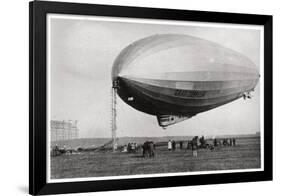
{"x":169,"y":145}
{"x":181,"y":145}
{"x":230,"y":141}
{"x":215,"y":142}
{"x":194,"y":146}
{"x":234,"y":142}
{"x":173,"y":145}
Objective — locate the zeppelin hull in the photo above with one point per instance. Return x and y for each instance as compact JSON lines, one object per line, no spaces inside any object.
{"x":178,"y":76}
{"x":158,"y":100}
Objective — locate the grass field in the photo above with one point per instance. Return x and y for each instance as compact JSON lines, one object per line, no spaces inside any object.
{"x":245,"y":155}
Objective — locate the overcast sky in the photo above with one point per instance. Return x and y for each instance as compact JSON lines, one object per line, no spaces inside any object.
{"x":81,"y":58}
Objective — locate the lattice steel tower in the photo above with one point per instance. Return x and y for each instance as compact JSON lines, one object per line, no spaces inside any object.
{"x":113,"y":116}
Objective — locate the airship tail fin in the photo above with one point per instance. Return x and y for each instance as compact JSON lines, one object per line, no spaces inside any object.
{"x":247,"y":95}
{"x":167,"y":120}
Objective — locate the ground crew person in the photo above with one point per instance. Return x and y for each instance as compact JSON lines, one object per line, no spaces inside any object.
{"x":169,"y":145}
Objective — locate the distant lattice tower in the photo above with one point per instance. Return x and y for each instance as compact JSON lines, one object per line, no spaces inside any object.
{"x":64,"y":130}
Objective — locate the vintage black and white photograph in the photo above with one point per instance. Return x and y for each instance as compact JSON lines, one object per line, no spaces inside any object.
{"x":130,"y":98}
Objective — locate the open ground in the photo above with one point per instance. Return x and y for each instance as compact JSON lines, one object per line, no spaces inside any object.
{"x":245,"y":155}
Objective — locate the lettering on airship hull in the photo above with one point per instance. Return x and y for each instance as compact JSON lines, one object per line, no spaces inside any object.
{"x":176,"y":76}
{"x":185,"y":93}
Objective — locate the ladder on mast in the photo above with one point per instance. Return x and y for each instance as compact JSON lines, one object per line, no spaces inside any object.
{"x":113,"y":116}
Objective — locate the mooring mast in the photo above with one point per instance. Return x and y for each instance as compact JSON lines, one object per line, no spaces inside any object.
{"x":113,"y":115}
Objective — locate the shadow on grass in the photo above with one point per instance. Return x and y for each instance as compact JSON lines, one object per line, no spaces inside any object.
{"x":138,"y":156}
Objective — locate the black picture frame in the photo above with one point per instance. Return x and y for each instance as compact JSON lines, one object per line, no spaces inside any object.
{"x":38,"y":11}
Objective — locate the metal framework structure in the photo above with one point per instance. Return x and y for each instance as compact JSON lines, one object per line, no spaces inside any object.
{"x":113,"y":117}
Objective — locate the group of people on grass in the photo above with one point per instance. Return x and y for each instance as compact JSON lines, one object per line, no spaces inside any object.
{"x":148,"y":148}
{"x":195,"y":143}
{"x":131,"y":147}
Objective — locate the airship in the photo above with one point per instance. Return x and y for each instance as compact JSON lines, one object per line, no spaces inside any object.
{"x":177,"y":76}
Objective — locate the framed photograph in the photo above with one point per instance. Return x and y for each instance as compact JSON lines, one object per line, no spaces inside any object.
{"x":131,"y":97}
